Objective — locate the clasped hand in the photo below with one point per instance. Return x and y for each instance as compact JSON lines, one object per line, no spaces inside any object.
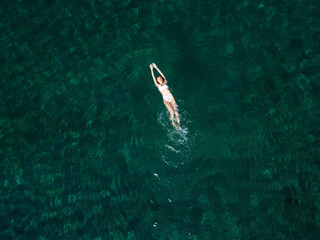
{"x":153,"y":65}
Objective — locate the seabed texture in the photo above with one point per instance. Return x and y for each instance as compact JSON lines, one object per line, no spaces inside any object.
{"x":87,"y":150}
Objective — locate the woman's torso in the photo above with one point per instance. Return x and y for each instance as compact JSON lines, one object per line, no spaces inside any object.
{"x":164,"y":90}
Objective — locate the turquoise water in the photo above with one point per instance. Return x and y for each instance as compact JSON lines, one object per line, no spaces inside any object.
{"x":87,"y":147}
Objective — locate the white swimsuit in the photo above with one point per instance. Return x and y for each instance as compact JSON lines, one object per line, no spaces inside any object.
{"x":167,"y":97}
{"x":165,"y":86}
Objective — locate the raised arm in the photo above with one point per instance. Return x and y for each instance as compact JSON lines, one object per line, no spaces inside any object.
{"x":155,"y":66}
{"x":154,"y":79}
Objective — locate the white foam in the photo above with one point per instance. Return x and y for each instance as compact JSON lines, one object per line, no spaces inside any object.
{"x":172,"y":149}
{"x":176,"y":148}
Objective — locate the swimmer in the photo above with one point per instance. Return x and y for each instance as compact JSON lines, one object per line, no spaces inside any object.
{"x":168,"y":99}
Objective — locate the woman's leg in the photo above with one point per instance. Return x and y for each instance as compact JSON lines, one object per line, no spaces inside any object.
{"x":171,"y":110}
{"x":175,"y":107}
{"x":174,"y":104}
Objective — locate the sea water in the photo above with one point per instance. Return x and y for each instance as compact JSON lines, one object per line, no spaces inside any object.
{"x":87,"y":147}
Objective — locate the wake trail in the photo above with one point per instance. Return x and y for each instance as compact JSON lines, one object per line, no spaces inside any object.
{"x":177,"y":145}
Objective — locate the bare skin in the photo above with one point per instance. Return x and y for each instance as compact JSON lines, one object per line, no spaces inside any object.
{"x":171,"y":105}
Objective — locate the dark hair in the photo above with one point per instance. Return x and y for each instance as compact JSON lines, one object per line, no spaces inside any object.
{"x":157,"y":79}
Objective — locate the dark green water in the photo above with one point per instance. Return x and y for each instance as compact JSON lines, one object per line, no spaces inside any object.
{"x":86,"y":146}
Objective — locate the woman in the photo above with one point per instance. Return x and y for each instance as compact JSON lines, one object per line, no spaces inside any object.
{"x":168,"y":99}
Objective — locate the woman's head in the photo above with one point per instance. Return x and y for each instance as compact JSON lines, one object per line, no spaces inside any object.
{"x":160,"y":80}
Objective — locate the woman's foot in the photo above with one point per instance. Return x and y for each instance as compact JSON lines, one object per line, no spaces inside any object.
{"x":177,"y":126}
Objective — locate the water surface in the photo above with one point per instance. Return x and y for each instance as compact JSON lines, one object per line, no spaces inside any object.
{"x":87,"y":148}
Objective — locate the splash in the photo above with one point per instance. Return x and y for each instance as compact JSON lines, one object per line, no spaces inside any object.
{"x":178,"y":143}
